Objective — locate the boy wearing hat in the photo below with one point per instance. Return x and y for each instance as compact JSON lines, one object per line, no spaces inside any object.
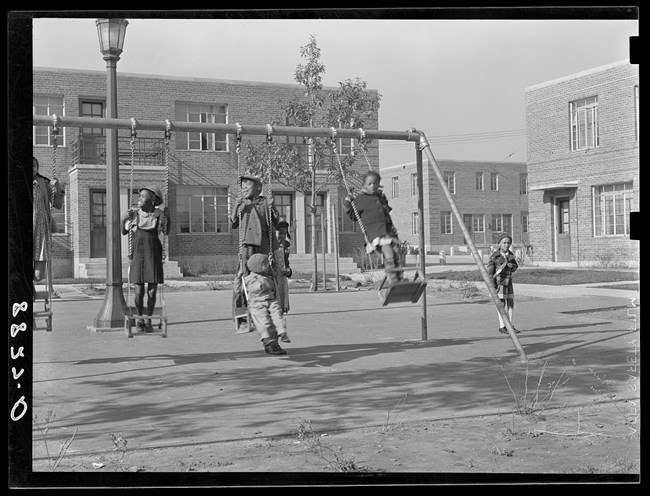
{"x":256,"y":217}
{"x":145,"y":223}
{"x":265,"y":310}
{"x":501,"y":265}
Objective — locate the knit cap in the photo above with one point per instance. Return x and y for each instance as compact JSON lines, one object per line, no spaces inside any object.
{"x":255,"y":262}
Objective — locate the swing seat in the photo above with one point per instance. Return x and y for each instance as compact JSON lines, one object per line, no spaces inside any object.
{"x":401,"y":291}
{"x":131,"y":316}
{"x":243,"y":322}
{"x":45,"y":314}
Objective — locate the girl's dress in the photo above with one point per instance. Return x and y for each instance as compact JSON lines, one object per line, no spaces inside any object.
{"x":44,"y":198}
{"x":147,"y":262}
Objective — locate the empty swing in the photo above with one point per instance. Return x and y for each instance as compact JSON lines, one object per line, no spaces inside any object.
{"x":389,"y":291}
{"x":159,"y":312}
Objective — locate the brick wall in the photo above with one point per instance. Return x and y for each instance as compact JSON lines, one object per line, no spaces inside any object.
{"x":551,"y":161}
{"x":507,"y":200}
{"x":154,"y":98}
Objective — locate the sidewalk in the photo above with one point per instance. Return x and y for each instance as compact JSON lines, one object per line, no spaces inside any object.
{"x":349,"y":363}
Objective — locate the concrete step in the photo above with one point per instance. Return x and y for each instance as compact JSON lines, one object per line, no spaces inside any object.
{"x":96,"y":268}
{"x":305,"y":263}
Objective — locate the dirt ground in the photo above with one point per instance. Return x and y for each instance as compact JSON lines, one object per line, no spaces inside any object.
{"x":602,"y":437}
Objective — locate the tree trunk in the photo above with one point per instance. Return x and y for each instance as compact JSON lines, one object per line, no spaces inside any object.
{"x":312,"y":168}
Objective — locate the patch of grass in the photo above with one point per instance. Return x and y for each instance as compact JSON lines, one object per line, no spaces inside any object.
{"x":547,"y":276}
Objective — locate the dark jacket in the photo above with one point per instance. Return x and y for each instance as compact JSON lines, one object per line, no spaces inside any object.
{"x":255,"y":220}
{"x":501,"y":267}
{"x":374,"y":212}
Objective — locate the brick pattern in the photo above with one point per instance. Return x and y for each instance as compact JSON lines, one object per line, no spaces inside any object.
{"x":550,"y":159}
{"x":154,"y":98}
{"x":507,"y":200}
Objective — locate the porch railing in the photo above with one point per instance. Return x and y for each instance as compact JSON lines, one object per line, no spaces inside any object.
{"x":91,"y":149}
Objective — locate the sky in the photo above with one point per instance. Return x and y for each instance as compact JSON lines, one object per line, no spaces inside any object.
{"x":460,"y":81}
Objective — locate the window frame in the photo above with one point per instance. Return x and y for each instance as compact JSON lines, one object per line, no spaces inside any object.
{"x":207,"y":113}
{"x":220,"y":217}
{"x":583,"y":123}
{"x":523,"y":183}
{"x":446,"y":222}
{"x":51,"y":110}
{"x":450,"y":181}
{"x":414,"y":184}
{"x":415,"y":223}
{"x":600,"y":218}
{"x":494,"y":181}
{"x":480,"y":181}
{"x":394,"y":189}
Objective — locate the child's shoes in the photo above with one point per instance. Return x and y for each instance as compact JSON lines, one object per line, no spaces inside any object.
{"x":284,"y":337}
{"x":140,"y":326}
{"x":273,"y":348}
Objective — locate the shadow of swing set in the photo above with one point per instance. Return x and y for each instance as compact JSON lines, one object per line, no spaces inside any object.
{"x":389,"y":292}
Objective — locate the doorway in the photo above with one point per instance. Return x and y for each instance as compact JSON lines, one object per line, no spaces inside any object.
{"x":321,"y":216}
{"x":563,"y":230}
{"x":98,"y":224}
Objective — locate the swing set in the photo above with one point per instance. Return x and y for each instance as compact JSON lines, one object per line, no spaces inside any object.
{"x":394,"y":293}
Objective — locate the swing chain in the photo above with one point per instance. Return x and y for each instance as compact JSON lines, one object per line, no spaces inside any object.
{"x":238,"y":141}
{"x":55,"y":133}
{"x":168,"y":134}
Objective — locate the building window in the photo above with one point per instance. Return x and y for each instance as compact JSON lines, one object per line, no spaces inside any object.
{"x":203,"y":113}
{"x":395,"y":187}
{"x":445,"y":223}
{"x":478,"y":223}
{"x":415,"y":223}
{"x":612,"y":207}
{"x":502,"y":223}
{"x":414,"y":184}
{"x":48,"y":105}
{"x":584,"y":123}
{"x":59,"y":217}
{"x":202,"y":209}
{"x":524,"y":222}
{"x":450,"y":179}
{"x":346,"y":224}
{"x":479,"y":182}
{"x":523,"y":184}
{"x":636,"y":112}
{"x":494,"y":181}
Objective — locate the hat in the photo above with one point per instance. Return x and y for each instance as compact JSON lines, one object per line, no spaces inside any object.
{"x":256,"y":180}
{"x":504,"y":235}
{"x":156,"y":191}
{"x":255,"y":262}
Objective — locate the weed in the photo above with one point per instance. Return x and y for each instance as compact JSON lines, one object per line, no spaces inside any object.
{"x":535,"y":402}
{"x":334,"y":458}
{"x":119,"y":443}
{"x":391,"y":419}
{"x":44,"y":430}
{"x":607,"y":392}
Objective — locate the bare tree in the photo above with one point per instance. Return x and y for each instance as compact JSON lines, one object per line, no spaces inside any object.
{"x":287,"y":163}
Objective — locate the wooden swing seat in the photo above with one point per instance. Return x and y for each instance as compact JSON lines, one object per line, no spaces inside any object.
{"x":131,"y":316}
{"x":401,"y":291}
{"x":45,"y":314}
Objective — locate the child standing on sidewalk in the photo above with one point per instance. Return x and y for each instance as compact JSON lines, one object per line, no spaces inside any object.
{"x":266,"y":313}
{"x":374,"y":213}
{"x":283,"y":269}
{"x":501,"y":265}
{"x":145,"y":224}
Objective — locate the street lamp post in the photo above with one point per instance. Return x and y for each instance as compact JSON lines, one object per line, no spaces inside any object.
{"x":111,"y":315}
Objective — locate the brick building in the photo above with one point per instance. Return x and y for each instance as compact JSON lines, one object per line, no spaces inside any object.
{"x":583,"y":165}
{"x":199,"y":169}
{"x":491,"y":196}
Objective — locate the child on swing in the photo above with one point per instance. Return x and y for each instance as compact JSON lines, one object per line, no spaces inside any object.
{"x":501,"y":265}
{"x":265,"y":310}
{"x":374,"y":214}
{"x":145,"y":223}
{"x":258,"y":235}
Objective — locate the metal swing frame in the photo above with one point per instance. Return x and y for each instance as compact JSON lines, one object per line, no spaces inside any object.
{"x":413,"y":135}
{"x":160,"y":310}
{"x":389,"y":291}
